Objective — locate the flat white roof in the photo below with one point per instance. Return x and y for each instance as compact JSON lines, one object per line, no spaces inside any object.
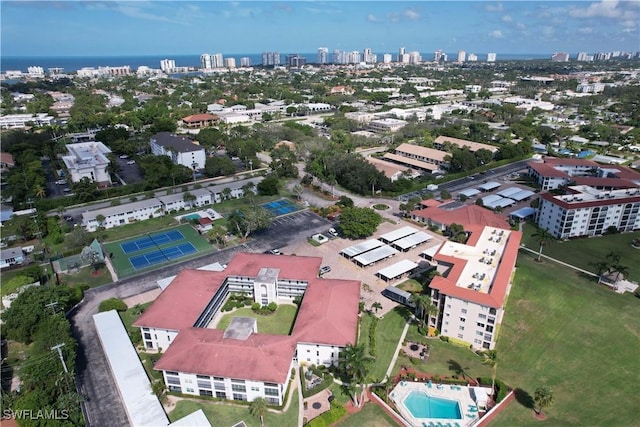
{"x":486,"y":200}
{"x":430,"y":252}
{"x":398,"y":234}
{"x":508,"y":192}
{"x":470,"y":192}
{"x":487,"y":186}
{"x":397,"y":269}
{"x":503,"y":202}
{"x":521,"y":195}
{"x":412,"y":240}
{"x":376,"y":255}
{"x":142,"y":406}
{"x":360,"y":248}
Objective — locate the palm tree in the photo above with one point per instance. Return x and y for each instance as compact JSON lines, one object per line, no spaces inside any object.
{"x":353,"y":362}
{"x":543,"y":237}
{"x":373,"y":180}
{"x":620,"y":270}
{"x":543,"y":398}
{"x":376,"y":306}
{"x":40,"y":192}
{"x":424,"y":307}
{"x":258,"y":408}
{"x":491,"y":359}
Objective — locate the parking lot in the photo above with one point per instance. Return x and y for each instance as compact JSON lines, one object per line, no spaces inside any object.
{"x":342,"y":268}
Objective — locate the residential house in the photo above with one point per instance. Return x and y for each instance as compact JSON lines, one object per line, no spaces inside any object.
{"x":198,"y":121}
{"x":12,"y":256}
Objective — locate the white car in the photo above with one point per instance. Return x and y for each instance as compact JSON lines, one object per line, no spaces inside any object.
{"x":131,"y":162}
{"x":124,"y":156}
{"x":333,"y":232}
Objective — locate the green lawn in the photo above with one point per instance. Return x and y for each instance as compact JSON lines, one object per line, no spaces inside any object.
{"x":371,"y":415}
{"x":224,"y":414}
{"x":86,"y":276}
{"x":580,"y":339}
{"x":410,"y":285}
{"x":584,"y":252}
{"x":388,"y":333}
{"x":123,"y":266}
{"x":278,"y":323}
{"x":137,"y":228}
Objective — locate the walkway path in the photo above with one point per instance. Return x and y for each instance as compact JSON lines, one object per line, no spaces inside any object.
{"x":560,"y":262}
{"x":395,"y":355}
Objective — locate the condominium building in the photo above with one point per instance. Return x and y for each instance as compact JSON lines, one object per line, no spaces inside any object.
{"x":240,"y":362}
{"x":323,"y":55}
{"x":168,"y":65}
{"x":229,"y":62}
{"x":21,"y":121}
{"x":245,"y":61}
{"x":491,"y":57}
{"x":421,"y":158}
{"x":369,"y":57}
{"x":88,"y":160}
{"x":208,"y":61}
{"x":474,"y":284}
{"x":387,"y":125}
{"x":387,"y":58}
{"x":462,"y":55}
{"x":296,"y":60}
{"x":472,"y":57}
{"x":270,"y":58}
{"x":560,"y":57}
{"x":181,"y":150}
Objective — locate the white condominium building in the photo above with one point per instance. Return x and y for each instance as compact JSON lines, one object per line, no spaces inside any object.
{"x":475,"y":281}
{"x":182,"y":151}
{"x":88,"y":160}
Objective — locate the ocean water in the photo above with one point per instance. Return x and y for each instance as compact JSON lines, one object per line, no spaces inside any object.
{"x":74,"y":63}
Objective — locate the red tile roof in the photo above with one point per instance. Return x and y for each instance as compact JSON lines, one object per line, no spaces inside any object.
{"x":465,"y":216}
{"x":180,"y":304}
{"x":430,"y":203}
{"x":261,"y":357}
{"x":200,"y":118}
{"x":495,"y":297}
{"x":547,"y":170}
{"x":7,"y":159}
{"x":328,"y":315}
{"x":205,"y":221}
{"x":593,"y":181}
{"x":590,"y":204}
{"x":556,"y":161}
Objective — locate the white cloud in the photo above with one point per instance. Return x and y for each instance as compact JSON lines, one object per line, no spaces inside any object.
{"x":602,"y":9}
{"x":507,"y":18}
{"x":494,"y":7}
{"x":411,"y":14}
{"x":548,"y":31}
{"x":629,"y":23}
{"x":496,"y":34}
{"x":521,"y":26}
{"x":372,"y":18}
{"x":585,"y":30}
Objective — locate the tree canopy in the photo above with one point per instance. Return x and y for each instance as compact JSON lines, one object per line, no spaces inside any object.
{"x":356,"y":223}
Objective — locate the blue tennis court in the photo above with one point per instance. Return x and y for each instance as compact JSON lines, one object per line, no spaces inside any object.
{"x":151,"y":241}
{"x":280,"y":207}
{"x":166,"y":254}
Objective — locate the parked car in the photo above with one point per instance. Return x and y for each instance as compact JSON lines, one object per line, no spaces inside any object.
{"x":131,"y":162}
{"x":61,"y":182}
{"x":66,"y":190}
{"x":332,"y":232}
{"x":325,"y":269}
{"x":124,"y":156}
{"x":68,"y":218}
{"x":275,"y":252}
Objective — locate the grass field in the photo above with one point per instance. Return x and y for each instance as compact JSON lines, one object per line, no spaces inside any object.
{"x":580,"y":339}
{"x":221,"y":414}
{"x":87,"y":276}
{"x":585,"y":252}
{"x":371,"y":415}
{"x":278,"y":323}
{"x":121,"y":261}
{"x":388,"y":333}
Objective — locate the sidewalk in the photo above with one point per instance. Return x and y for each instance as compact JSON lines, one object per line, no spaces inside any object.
{"x":560,"y":262}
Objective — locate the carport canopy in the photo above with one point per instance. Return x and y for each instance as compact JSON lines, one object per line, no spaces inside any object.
{"x":361,"y":248}
{"x":397,"y":269}
{"x":521,"y":195}
{"x":375,"y":255}
{"x":487,"y":200}
{"x":412,"y":241}
{"x":508,"y":192}
{"x":394,"y":235}
{"x":469,"y":192}
{"x":488,"y":186}
{"x":523,"y":213}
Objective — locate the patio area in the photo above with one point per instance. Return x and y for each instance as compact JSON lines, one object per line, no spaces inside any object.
{"x":416,"y":350}
{"x":317,"y":404}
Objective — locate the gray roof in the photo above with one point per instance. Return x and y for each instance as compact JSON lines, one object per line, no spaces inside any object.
{"x":354,"y":250}
{"x":375,"y":255}
{"x":175,"y":143}
{"x":10,"y":253}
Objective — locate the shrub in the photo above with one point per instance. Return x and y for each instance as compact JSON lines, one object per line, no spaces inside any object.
{"x":372,"y":336}
{"x":444,"y":338}
{"x":112,"y":304}
{"x":330,"y":417}
{"x":272,"y":306}
{"x":255,"y":306}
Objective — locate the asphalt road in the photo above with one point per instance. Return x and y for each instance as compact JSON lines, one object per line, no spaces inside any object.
{"x":102,"y":404}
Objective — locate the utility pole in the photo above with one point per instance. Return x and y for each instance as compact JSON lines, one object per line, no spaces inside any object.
{"x":57,"y":347}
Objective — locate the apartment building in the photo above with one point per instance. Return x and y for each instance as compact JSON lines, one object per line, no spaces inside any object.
{"x":240,"y":362}
{"x":114,"y":216}
{"x":187,"y":200}
{"x":198,"y":121}
{"x":387,"y":124}
{"x":88,"y":160}
{"x":182,"y":151}
{"x":22,"y":121}
{"x":424,"y":158}
{"x":475,"y":281}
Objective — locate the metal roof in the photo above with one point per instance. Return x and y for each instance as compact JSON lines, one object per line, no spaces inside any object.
{"x":469,"y":192}
{"x":488,"y":186}
{"x":142,"y":406}
{"x":360,"y":248}
{"x":397,"y":269}
{"x":507,"y":192}
{"x":398,"y":234}
{"x":521,"y":195}
{"x":412,"y":240}
{"x":375,"y":255}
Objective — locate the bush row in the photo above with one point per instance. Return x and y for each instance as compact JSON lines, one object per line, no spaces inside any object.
{"x":372,"y":336}
{"x":264,"y":309}
{"x":501,"y":388}
{"x":331,"y":416}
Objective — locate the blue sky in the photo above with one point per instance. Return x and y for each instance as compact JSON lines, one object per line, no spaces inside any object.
{"x":100,"y":28}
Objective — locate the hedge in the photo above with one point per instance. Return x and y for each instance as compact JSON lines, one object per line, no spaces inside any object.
{"x":501,"y":388}
{"x":112,"y":304}
{"x":331,"y":416}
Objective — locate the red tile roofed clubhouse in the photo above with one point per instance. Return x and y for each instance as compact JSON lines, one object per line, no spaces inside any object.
{"x":201,"y":361}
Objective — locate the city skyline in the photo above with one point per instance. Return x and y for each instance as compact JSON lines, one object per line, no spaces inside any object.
{"x":169,"y":28}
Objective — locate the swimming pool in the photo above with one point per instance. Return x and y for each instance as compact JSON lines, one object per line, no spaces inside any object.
{"x":422,"y":405}
{"x":191,"y":217}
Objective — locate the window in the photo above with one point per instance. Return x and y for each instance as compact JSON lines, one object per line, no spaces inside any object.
{"x":237,"y":396}
{"x":479,"y":333}
{"x":464,"y":311}
{"x":147,"y":335}
{"x":491,"y":320}
{"x":462,"y":319}
{"x":489,"y":328}
{"x":239,"y":388}
{"x":255,"y":388}
{"x":206,"y":393}
{"x":177,"y":389}
{"x":317,"y":353}
{"x":219,"y":386}
{"x":203,"y":377}
{"x":480,"y":325}
{"x":271,"y":392}
{"x":460,"y":335}
{"x":218,"y":379}
{"x":221,"y":395}
{"x":461,"y":328}
{"x":173,"y":380}
{"x":273,"y":400}
{"x":189,"y":390}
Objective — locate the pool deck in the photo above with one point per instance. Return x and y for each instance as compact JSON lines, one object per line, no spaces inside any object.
{"x":461,"y":394}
